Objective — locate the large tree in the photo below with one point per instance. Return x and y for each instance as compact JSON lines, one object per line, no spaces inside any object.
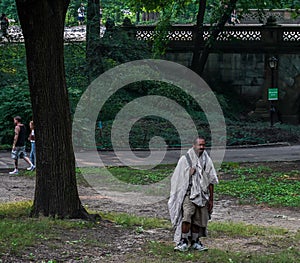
{"x":93,"y":39}
{"x":56,"y":194}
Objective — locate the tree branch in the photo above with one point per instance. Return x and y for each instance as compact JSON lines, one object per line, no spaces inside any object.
{"x":214,"y":34}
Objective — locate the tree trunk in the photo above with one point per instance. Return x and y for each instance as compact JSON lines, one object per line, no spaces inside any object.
{"x":56,"y":192}
{"x":198,"y":35}
{"x":92,"y":39}
{"x":214,"y":34}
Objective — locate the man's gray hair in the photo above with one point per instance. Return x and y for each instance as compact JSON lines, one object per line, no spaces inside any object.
{"x":198,"y":138}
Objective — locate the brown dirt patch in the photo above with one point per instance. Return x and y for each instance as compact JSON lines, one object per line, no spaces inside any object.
{"x":113,"y":243}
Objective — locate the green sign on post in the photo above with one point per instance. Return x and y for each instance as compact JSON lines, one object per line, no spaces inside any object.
{"x":273,"y":94}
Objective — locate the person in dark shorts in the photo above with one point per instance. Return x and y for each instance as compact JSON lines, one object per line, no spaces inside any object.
{"x":18,"y":147}
{"x":81,"y":14}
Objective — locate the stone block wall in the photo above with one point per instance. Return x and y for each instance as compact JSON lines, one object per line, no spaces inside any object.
{"x":245,"y":73}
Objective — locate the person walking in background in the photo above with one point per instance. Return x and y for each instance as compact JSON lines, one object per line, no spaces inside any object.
{"x":18,"y":147}
{"x":233,"y":18}
{"x":80,"y":12}
{"x":191,"y":198}
{"x":4,"y":26}
{"x":31,"y":138}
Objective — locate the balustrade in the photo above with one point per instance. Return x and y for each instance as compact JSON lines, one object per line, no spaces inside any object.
{"x":254,"y":38}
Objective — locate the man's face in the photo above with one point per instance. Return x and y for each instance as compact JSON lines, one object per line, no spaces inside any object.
{"x":15,"y":121}
{"x":199,"y":146}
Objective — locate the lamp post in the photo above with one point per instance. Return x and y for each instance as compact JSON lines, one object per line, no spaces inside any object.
{"x":273,"y":92}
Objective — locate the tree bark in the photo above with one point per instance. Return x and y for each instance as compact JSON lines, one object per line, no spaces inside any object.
{"x":198,"y":35}
{"x":199,"y":68}
{"x":56,"y":193}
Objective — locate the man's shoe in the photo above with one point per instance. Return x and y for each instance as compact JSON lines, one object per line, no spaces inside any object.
{"x":31,"y":168}
{"x":14,"y":171}
{"x":199,"y":246}
{"x":181,"y":246}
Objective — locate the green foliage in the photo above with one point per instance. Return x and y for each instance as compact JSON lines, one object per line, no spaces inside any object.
{"x":121,"y":46}
{"x":9,"y":8}
{"x":76,"y":77}
{"x":185,"y":10}
{"x":144,"y":129}
{"x":14,"y":91}
{"x":117,"y":10}
{"x":253,"y":133}
{"x":174,"y":93}
{"x":160,"y":40}
{"x":71,"y":16}
{"x":16,"y":101}
{"x":262,"y":185}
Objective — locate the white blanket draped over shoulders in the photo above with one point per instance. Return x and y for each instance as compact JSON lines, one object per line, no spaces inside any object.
{"x":180,"y":183}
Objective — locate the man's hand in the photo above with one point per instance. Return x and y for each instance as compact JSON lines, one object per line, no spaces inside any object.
{"x":192,"y":170}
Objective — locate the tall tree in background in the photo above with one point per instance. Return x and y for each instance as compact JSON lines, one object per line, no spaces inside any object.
{"x":173,"y":8}
{"x":199,"y":34}
{"x":93,"y":38}
{"x":198,"y":65}
{"x":222,"y":12}
{"x":56,"y":192}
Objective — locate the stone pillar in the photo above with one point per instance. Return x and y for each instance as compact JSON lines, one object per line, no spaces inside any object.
{"x":271,"y":37}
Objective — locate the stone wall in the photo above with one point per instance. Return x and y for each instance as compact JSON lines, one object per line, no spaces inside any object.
{"x":245,"y":73}
{"x":289,"y":87}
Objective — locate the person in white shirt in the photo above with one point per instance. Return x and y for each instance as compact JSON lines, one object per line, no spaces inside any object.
{"x":81,"y":14}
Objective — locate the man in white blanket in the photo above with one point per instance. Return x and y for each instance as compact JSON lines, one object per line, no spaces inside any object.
{"x":191,"y":197}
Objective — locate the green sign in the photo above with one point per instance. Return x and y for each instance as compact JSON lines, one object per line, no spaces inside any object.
{"x":273,"y":94}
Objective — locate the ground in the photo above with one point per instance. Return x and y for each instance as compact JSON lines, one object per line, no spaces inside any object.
{"x":114,"y":243}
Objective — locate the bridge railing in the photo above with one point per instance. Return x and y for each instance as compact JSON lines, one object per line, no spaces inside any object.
{"x":253,"y":37}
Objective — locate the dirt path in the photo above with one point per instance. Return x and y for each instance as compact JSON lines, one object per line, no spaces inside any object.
{"x":125,"y":245}
{"x":14,"y":189}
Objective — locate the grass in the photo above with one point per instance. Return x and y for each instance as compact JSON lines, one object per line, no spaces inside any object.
{"x":18,"y":234}
{"x":261,"y":185}
{"x":131,"y":175}
{"x":18,"y":231}
{"x":128,"y":220}
{"x":235,"y":230}
{"x":161,"y":252}
{"x":15,"y":210}
{"x":134,"y":176}
{"x":252,"y":184}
